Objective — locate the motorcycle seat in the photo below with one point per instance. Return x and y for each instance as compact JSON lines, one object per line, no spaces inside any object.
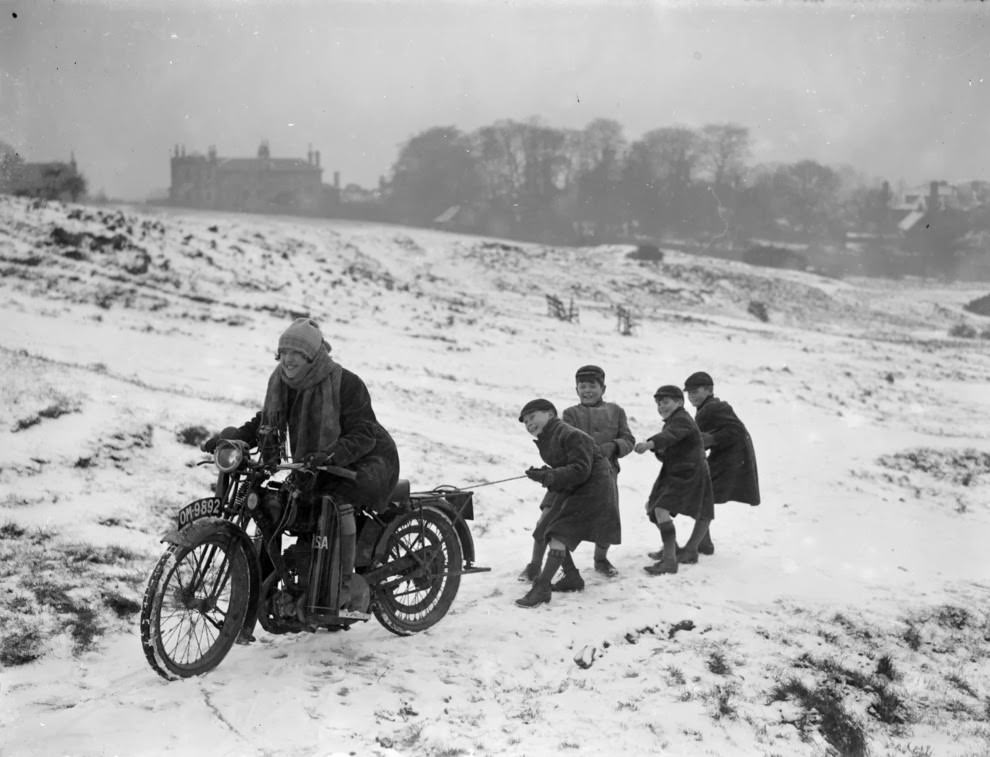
{"x":400,"y":494}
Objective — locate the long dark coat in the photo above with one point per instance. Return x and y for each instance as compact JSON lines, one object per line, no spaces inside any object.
{"x":605,"y":423}
{"x":364,"y":446}
{"x":580,"y":503}
{"x":731,"y":459}
{"x":684,"y":486}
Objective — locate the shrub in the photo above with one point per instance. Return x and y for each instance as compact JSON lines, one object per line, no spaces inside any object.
{"x":963,"y":331}
{"x":193,"y":435}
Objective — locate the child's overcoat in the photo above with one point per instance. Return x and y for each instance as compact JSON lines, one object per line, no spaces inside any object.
{"x":580,"y":503}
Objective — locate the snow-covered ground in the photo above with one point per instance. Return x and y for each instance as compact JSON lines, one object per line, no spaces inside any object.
{"x":848,"y":613}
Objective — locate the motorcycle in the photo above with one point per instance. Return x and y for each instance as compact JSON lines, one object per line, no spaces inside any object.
{"x":226,"y":567}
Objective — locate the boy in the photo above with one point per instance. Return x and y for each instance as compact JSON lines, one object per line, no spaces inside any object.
{"x":580,"y":501}
{"x":731,"y":458}
{"x":683,"y":486}
{"x":606,"y":423}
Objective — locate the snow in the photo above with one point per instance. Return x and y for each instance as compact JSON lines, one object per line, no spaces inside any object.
{"x":849,"y":391}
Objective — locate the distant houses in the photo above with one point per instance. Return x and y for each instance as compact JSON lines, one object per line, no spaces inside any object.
{"x":258,"y":184}
{"x":53,"y":180}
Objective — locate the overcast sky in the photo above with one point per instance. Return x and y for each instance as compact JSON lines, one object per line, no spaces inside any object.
{"x":898,"y":90}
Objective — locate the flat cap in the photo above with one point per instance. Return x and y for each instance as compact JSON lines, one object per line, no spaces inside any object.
{"x":669,"y":390}
{"x":538,"y":404}
{"x":592,"y":372}
{"x":698,"y":379}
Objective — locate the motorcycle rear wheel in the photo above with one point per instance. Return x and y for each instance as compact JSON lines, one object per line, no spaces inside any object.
{"x":418,"y":597}
{"x":195,"y":605}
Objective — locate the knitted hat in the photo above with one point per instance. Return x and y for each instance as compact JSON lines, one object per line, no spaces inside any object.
{"x":698,"y":379}
{"x":669,"y":390}
{"x":590,"y":373}
{"x":302,"y":336}
{"x":533,"y":405}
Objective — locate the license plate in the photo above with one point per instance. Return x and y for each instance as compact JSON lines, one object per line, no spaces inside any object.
{"x":208,"y":507}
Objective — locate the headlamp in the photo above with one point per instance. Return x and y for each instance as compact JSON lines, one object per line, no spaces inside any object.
{"x":228,"y":456}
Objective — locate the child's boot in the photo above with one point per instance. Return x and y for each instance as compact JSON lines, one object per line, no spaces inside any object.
{"x":572,"y":580}
{"x":540,"y":591}
{"x":707,"y":546}
{"x":602,"y":564}
{"x":669,"y":562}
{"x":689,"y":554}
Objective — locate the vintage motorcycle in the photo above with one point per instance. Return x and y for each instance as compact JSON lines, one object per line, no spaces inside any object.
{"x":230,"y":562}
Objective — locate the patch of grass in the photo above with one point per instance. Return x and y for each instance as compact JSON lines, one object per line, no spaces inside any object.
{"x":885,"y":668}
{"x":717,"y":664}
{"x":721,"y":701}
{"x":888,"y":707}
{"x":912,"y":637}
{"x":949,"y":616}
{"x":675,"y":676}
{"x":836,"y":725}
{"x":121,"y":605}
{"x":193,"y":435}
{"x":20,"y":644}
{"x":11,"y":531}
{"x":960,"y":683}
{"x":111,"y":555}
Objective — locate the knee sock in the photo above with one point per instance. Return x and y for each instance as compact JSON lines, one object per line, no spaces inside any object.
{"x":555,"y":559}
{"x":539,"y":547}
{"x":569,"y":566}
{"x":698,"y":533}
{"x":668,"y":532}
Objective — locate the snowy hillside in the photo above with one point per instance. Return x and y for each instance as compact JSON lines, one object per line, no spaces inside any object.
{"x":848,"y":614}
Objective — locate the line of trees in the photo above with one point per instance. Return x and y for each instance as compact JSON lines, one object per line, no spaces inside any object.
{"x":533,"y":181}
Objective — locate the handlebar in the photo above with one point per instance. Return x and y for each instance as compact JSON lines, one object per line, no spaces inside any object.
{"x":334,"y":470}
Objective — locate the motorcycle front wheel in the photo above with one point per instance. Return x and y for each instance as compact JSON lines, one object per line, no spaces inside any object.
{"x":195,"y":605}
{"x":427,"y":551}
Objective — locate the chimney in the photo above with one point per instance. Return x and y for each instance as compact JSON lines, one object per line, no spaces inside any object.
{"x":317,"y":158}
{"x":336,"y":180}
{"x":309,"y":155}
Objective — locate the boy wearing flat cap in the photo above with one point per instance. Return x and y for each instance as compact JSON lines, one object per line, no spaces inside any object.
{"x":731,"y":457}
{"x":683,"y":486}
{"x":606,"y":423}
{"x":579,"y":504}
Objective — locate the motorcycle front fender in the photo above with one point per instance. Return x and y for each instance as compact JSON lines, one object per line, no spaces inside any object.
{"x":194,"y":534}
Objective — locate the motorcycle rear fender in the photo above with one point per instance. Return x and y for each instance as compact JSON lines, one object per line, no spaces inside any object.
{"x":440,"y":505}
{"x":194,"y":532}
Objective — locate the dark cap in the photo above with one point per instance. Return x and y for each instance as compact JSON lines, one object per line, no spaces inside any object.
{"x":534,"y":405}
{"x":590,"y":373}
{"x":698,"y":379}
{"x":669,"y":390}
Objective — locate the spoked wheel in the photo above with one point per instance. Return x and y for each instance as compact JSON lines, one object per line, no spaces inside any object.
{"x":195,"y":605}
{"x":426,"y":552}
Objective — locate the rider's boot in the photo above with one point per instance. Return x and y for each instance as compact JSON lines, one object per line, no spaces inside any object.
{"x":540,"y":591}
{"x":689,"y":553}
{"x":572,"y":580}
{"x":669,"y":562}
{"x":348,"y":531}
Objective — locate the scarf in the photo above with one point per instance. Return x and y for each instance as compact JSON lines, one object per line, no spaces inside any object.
{"x":309,"y":406}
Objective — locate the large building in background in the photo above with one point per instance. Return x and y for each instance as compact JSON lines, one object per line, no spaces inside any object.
{"x":259,"y":184}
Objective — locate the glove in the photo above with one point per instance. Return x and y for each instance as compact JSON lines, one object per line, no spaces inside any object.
{"x":228,"y":433}
{"x":540,"y":475}
{"x":319,"y":458}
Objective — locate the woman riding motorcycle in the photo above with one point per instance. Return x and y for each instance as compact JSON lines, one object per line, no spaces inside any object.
{"x":325,"y":412}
